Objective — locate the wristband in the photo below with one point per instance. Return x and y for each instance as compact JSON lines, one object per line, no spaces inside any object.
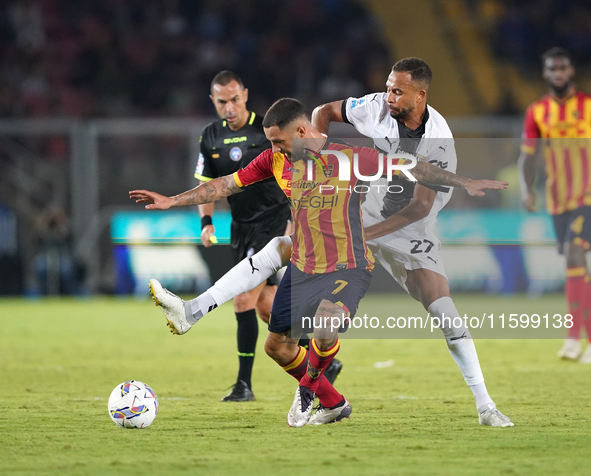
{"x":206,"y":220}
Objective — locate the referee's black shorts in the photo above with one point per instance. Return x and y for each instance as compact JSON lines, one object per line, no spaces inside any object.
{"x":250,"y":238}
{"x":299,"y":295}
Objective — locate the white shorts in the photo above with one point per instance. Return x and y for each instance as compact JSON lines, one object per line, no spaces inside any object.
{"x":400,"y":251}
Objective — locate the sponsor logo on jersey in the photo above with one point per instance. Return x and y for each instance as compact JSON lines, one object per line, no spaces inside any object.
{"x":304,"y":185}
{"x":235,"y":140}
{"x":328,"y":201}
{"x":236,"y":154}
{"x":357,"y":102}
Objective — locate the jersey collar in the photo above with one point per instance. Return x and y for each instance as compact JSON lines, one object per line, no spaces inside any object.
{"x":249,"y":122}
{"x":564,"y":99}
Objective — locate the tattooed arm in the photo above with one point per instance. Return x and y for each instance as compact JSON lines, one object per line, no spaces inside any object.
{"x":205,"y":193}
{"x":428,"y":173}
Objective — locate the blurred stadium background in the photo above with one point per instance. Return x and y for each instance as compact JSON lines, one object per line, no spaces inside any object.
{"x":101,"y":97}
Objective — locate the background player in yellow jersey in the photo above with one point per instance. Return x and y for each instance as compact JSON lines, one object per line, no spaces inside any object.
{"x":560,"y":120}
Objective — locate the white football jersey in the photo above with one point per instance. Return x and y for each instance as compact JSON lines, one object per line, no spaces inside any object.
{"x":371,"y":117}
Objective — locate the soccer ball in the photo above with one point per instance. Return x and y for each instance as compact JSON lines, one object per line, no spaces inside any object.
{"x":133,"y":404}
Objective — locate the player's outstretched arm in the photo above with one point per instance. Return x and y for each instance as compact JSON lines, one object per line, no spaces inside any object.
{"x":205,"y":193}
{"x":417,"y":209}
{"x":324,"y":114}
{"x":428,"y":173}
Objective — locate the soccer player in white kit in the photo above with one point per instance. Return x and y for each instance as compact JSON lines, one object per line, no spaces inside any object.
{"x":398,"y":226}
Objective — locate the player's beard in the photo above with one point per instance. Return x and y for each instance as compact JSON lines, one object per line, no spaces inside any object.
{"x":402,"y":114}
{"x":561,"y":91}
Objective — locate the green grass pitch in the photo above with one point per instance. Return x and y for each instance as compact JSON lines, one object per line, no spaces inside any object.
{"x":60,"y":359}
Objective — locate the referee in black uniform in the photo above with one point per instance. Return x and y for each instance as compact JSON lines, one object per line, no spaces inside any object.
{"x":260,"y":213}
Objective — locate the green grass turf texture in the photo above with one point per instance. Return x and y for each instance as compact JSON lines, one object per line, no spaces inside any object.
{"x":60,"y":359}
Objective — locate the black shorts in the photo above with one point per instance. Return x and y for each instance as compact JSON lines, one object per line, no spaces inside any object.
{"x":250,"y":238}
{"x":299,"y":295}
{"x":573,"y":227}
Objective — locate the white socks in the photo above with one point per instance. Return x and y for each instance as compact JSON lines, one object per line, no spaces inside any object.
{"x":243,"y":277}
{"x":462,"y":349}
{"x":481,"y":395}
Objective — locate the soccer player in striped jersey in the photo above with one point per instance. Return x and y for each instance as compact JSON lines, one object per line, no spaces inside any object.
{"x":331,"y":264}
{"x":561,"y":121}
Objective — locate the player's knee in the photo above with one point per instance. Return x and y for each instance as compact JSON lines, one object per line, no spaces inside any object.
{"x":575,"y":255}
{"x":265,"y":303}
{"x":282,"y":245}
{"x":276,"y":351}
{"x":264,"y":314}
{"x":272,"y":348}
{"x":279,"y":349}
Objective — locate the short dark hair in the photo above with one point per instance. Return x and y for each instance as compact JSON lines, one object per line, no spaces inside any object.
{"x":283,"y":112}
{"x":556,"y":52}
{"x":418,"y":69}
{"x":224,"y":78}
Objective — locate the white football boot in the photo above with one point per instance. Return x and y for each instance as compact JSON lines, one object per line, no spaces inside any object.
{"x":586,"y":357}
{"x":489,"y":415}
{"x":323,"y":415}
{"x":301,"y":408}
{"x":172,"y":306}
{"x":571,"y":349}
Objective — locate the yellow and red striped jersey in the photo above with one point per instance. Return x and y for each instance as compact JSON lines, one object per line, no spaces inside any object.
{"x":559,"y":123}
{"x":328,"y":230}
